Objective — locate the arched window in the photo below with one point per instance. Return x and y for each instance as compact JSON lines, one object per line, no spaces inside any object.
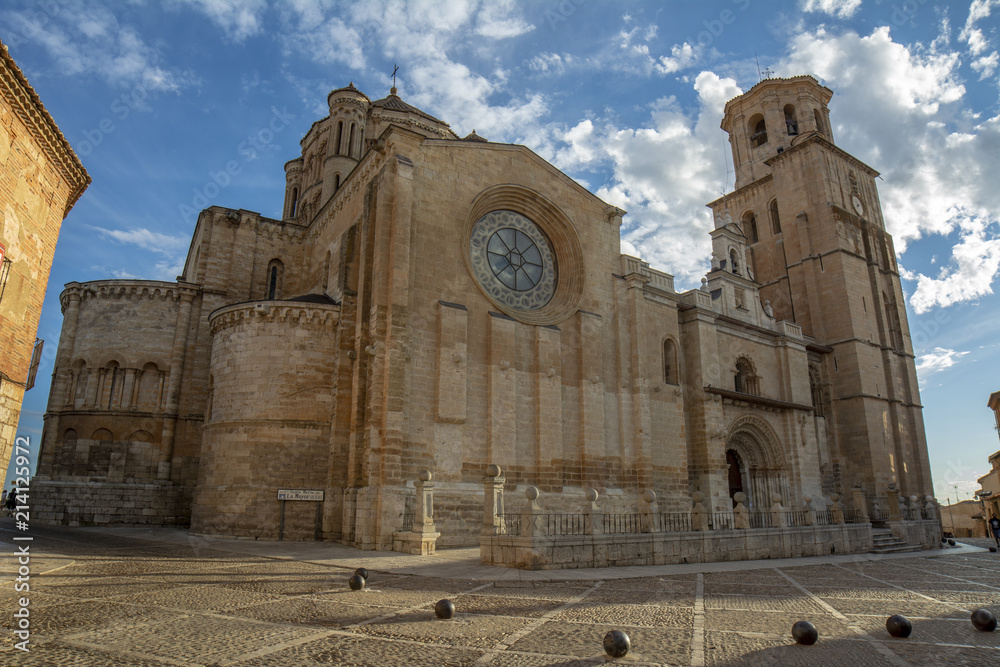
{"x":336,"y":182}
{"x":818,"y":117}
{"x":733,"y":262}
{"x":350,"y":142}
{"x":275,"y":276}
{"x":791,"y":123}
{"x":775,"y":220}
{"x":758,"y":131}
{"x":746,"y":381}
{"x":750,"y":226}
{"x":293,"y":205}
{"x":670,"y":374}
{"x":340,"y":133}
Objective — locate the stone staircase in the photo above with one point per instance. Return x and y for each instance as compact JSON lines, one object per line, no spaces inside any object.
{"x":884,"y":542}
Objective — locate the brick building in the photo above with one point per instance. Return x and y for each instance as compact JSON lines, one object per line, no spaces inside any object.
{"x":434,"y":302}
{"x":40,"y":180}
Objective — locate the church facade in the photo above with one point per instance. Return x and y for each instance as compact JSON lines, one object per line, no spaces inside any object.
{"x":434,"y":302}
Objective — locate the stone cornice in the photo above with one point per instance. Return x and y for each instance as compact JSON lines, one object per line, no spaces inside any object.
{"x":126,"y":289}
{"x":29,"y":108}
{"x":757,"y":400}
{"x":290,"y":312}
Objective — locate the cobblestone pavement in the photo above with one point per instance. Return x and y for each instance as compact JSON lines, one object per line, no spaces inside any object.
{"x":112,"y":598}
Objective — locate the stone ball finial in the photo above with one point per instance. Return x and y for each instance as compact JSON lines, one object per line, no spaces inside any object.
{"x":913,"y":499}
{"x":649,"y":496}
{"x":425,"y":475}
{"x":929,"y":498}
{"x":808,"y":499}
{"x":531,"y":493}
{"x":892,"y":486}
{"x":834,"y":497}
{"x":740,"y":497}
{"x":493,"y":470}
{"x":592,"y":495}
{"x":775,"y":497}
{"x":697,"y":496}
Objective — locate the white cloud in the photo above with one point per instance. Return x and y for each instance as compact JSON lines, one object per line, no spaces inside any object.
{"x":496,"y":20}
{"x":550,"y":62}
{"x":841,"y":9}
{"x":681,"y":57}
{"x":146,"y":239}
{"x":423,"y":34}
{"x":986,"y":65}
{"x":977,"y":41}
{"x":661,"y":173}
{"x":938,"y":359}
{"x":89,"y":39}
{"x":238,"y":19}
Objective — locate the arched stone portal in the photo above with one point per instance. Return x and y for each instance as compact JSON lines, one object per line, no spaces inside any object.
{"x":753,"y":448}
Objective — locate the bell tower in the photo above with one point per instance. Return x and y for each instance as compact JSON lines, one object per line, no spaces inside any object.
{"x":817,"y":246}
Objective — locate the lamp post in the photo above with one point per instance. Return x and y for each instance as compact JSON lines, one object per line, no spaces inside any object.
{"x":983,"y":494}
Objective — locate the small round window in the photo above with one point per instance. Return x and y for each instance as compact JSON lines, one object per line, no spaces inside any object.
{"x":512,"y":260}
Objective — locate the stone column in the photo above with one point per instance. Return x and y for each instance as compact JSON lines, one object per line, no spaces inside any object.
{"x":836,"y":509}
{"x":593,"y":516}
{"x":422,"y":537}
{"x":810,"y":515}
{"x":930,"y":508}
{"x":493,"y":519}
{"x":778,"y":517}
{"x":893,"y":502}
{"x":174,"y":383}
{"x":699,"y":519}
{"x":531,"y":515}
{"x":741,"y":517}
{"x":649,"y":510}
{"x":860,"y":503}
{"x":424,"y":520}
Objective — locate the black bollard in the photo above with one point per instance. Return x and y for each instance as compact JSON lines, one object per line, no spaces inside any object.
{"x":616,"y":643}
{"x":984,"y":620}
{"x":898,"y":626}
{"x":804,"y":632}
{"x":444,"y":609}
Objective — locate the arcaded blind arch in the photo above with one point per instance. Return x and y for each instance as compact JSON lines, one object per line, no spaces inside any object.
{"x":670,"y":370}
{"x":746,"y":381}
{"x":750,"y":226}
{"x":775,"y":220}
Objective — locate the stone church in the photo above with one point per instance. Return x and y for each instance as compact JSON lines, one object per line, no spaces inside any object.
{"x":431,"y":301}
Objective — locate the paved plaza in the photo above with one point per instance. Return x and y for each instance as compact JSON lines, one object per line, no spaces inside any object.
{"x":142,"y":598}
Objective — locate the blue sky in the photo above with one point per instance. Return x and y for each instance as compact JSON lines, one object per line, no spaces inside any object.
{"x":158,"y":99}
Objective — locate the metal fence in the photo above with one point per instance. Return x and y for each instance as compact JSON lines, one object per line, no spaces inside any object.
{"x":406,"y":522}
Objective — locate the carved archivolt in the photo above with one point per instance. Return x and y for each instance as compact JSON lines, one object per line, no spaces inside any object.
{"x":757,"y":442}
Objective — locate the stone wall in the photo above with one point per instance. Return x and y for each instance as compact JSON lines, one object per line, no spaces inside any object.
{"x":75,"y":503}
{"x":566,"y":552}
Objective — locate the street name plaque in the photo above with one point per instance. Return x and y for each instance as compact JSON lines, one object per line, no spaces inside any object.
{"x":300,"y":494}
